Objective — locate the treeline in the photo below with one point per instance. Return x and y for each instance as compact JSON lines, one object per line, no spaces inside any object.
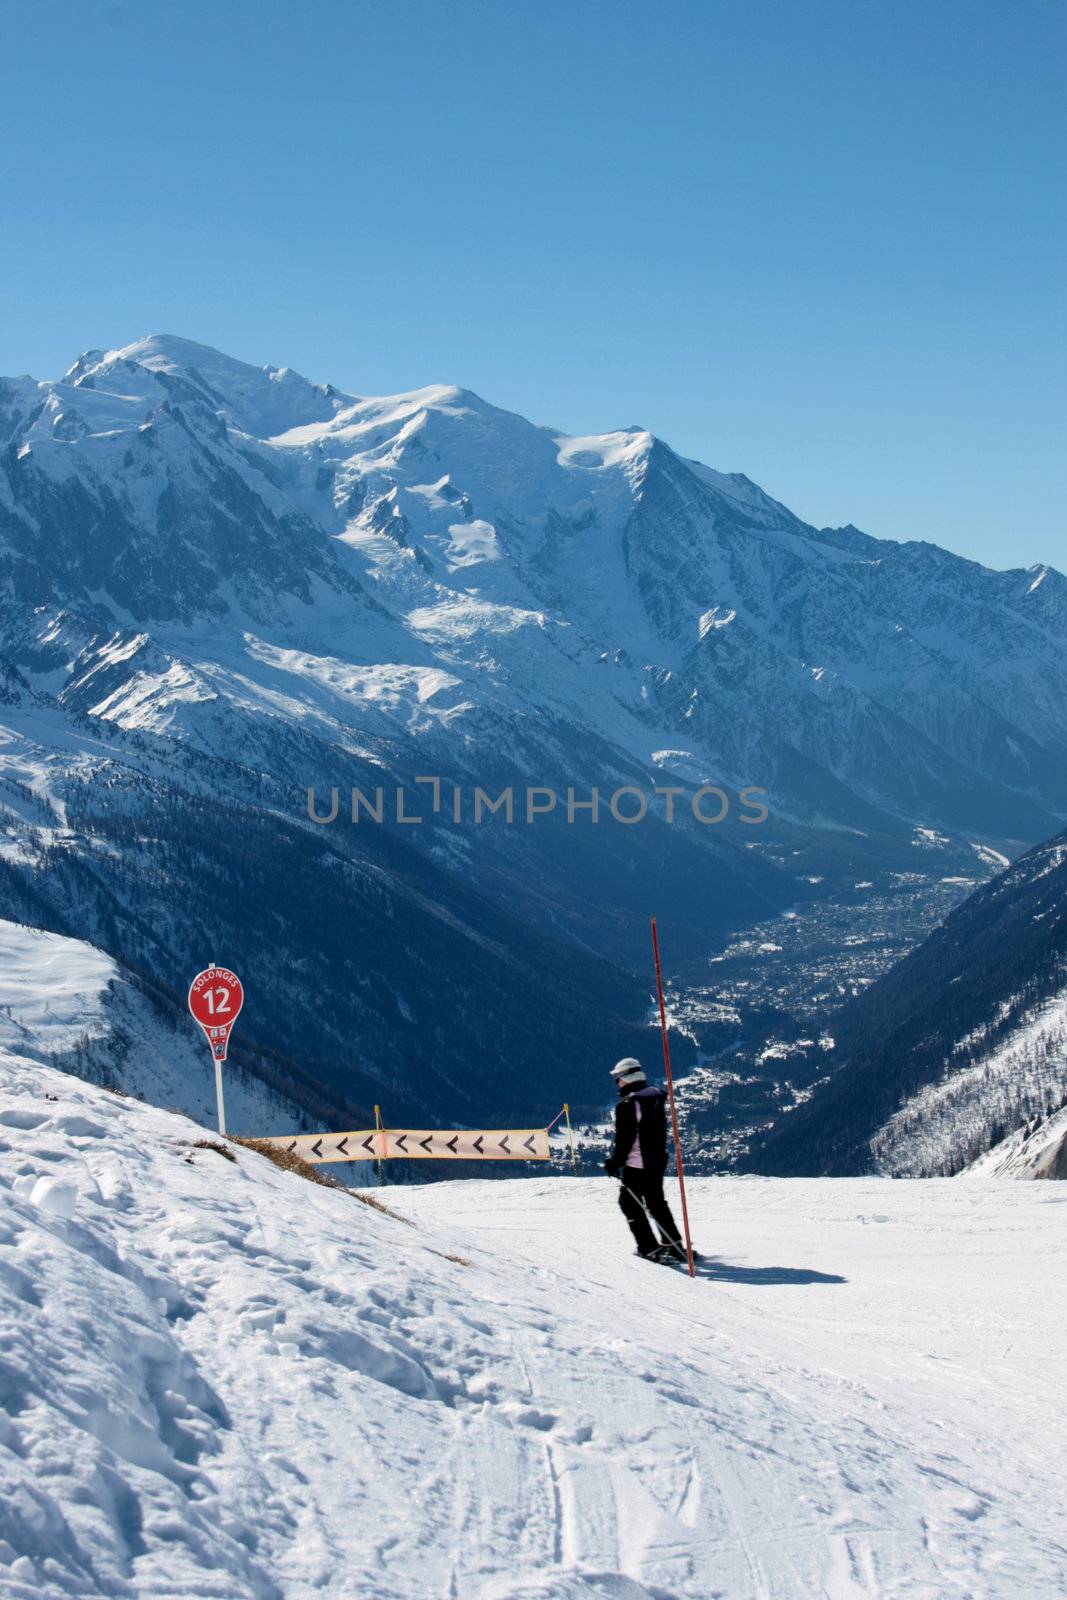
{"x":371,"y":977}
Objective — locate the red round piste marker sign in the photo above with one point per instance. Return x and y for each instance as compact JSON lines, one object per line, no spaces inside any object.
{"x":215,"y":998}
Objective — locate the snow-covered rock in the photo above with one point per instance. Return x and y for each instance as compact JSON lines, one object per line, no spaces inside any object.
{"x":1036,"y":1150}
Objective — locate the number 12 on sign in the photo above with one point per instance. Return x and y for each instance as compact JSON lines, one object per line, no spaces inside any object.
{"x":216,"y":996}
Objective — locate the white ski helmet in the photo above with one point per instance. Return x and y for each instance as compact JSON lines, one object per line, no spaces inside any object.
{"x":628,"y":1074}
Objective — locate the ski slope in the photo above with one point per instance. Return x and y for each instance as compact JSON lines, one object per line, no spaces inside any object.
{"x":221,"y":1380}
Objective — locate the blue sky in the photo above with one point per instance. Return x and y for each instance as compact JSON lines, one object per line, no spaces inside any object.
{"x":817,"y":241}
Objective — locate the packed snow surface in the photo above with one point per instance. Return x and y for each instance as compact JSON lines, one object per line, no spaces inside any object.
{"x":220,"y":1380}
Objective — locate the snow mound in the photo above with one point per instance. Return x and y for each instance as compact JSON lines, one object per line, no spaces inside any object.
{"x":221,"y":1380}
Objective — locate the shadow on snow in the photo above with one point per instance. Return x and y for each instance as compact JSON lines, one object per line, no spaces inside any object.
{"x":727,"y":1272}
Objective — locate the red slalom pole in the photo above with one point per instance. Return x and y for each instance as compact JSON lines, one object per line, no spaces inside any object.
{"x":674,"y":1109}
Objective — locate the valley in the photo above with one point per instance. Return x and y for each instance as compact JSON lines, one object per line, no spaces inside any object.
{"x":758,"y":1016}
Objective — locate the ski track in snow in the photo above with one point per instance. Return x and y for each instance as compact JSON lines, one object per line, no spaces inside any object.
{"x":218,"y":1380}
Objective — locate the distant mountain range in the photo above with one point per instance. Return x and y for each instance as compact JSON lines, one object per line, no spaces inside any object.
{"x":221,"y":586}
{"x":959,"y":1053}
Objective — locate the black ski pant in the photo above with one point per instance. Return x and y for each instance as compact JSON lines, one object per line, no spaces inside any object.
{"x":639,"y":1184}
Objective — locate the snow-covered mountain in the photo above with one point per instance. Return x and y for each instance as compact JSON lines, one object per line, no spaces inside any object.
{"x":957,"y":1057}
{"x":1038,"y":1149}
{"x":222,"y":1381}
{"x":223,"y":586}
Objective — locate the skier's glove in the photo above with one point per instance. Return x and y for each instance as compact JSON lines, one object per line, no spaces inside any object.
{"x":612,"y":1169}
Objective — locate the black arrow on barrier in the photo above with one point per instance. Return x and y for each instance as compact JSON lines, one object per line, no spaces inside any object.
{"x":424,"y":1144}
{"x":316,"y":1148}
{"x":401,"y":1143}
{"x":528,"y":1144}
{"x":452,"y":1143}
{"x":504,"y":1144}
{"x":290,"y":1147}
{"x":478,"y":1144}
{"x":368,"y":1143}
{"x":343,"y":1145}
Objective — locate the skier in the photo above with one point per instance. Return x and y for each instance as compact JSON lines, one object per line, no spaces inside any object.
{"x":639,"y":1161}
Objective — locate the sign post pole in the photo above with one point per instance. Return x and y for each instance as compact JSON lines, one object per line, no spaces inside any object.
{"x":674,"y":1109}
{"x":220,"y":1104}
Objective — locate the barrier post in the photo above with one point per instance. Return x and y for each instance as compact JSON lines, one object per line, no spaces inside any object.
{"x":570,"y":1136}
{"x":378,"y":1125}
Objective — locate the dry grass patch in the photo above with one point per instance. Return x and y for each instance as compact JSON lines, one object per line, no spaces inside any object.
{"x":288,"y":1161}
{"x":219,"y":1149}
{"x":380,"y":1205}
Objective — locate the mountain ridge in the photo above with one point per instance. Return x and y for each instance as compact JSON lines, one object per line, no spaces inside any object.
{"x":959,"y":1047}
{"x":370,"y":589}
